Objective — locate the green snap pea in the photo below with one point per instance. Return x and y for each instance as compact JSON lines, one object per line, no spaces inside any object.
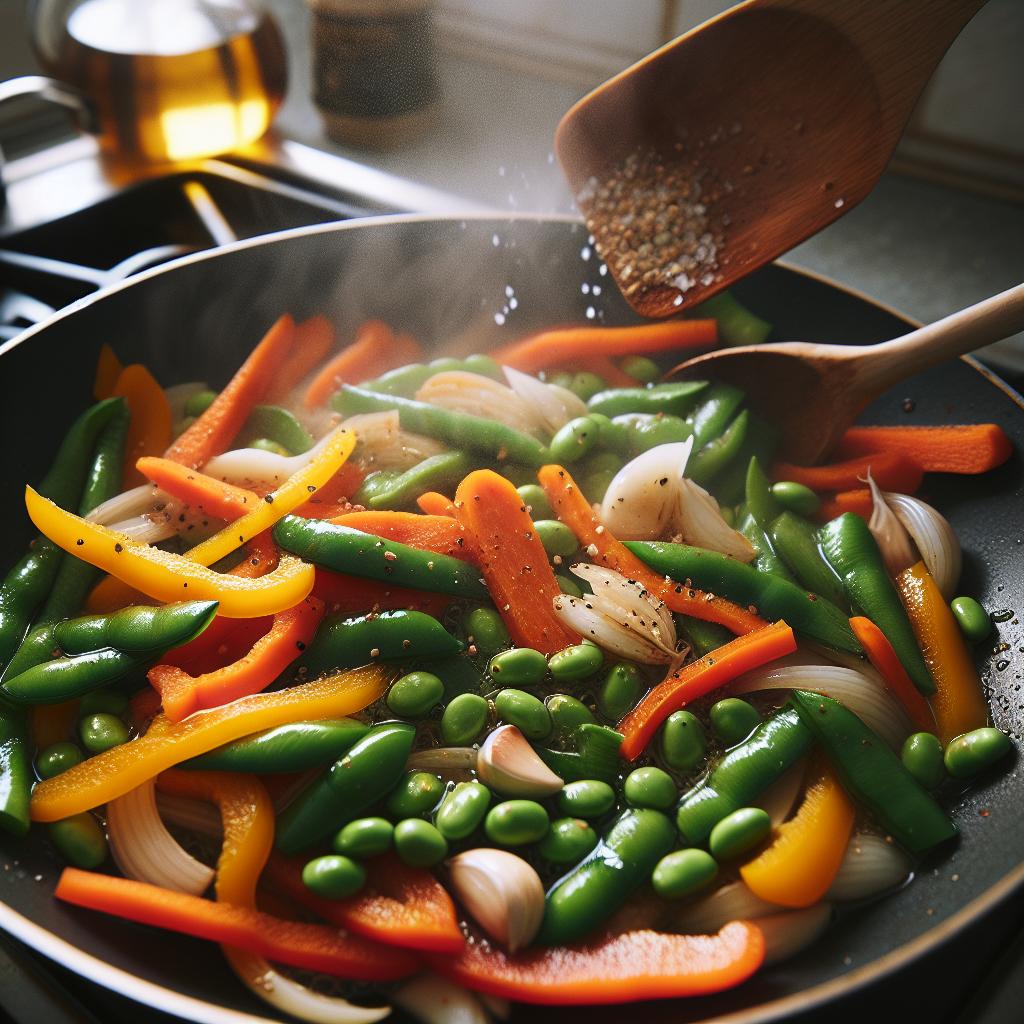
{"x":568,"y":841}
{"x":197,"y":404}
{"x":596,"y":755}
{"x":136,"y":630}
{"x":264,"y":444}
{"x":704,"y":637}
{"x":568,"y":586}
{"x":463,"y":719}
{"x":588,"y":798}
{"x":536,"y":500}
{"x":683,"y":873}
{"x":971,"y":617}
{"x":973,"y":752}
{"x":526,"y":712}
{"x":56,"y":759}
{"x":568,"y":712}
{"x":576,"y":662}
{"x":102,"y":732}
{"x":487,"y":631}
{"x":603,"y":462}
{"x":462,"y":810}
{"x":334,"y":876}
{"x":79,"y":840}
{"x":374,"y":484}
{"x":440,"y":472}
{"x":705,"y":465}
{"x":620,"y":691}
{"x":484,"y":365}
{"x":110,"y":701}
{"x":15,"y":770}
{"x":650,"y":787}
{"x":364,"y":837}
{"x":739,"y":832}
{"x":586,"y":384}
{"x":683,"y":743}
{"x":647,"y":431}
{"x":795,"y":540}
{"x":798,"y":498}
{"x":516,"y":823}
{"x":556,"y":537}
{"x":718,"y":406}
{"x":416,"y":794}
{"x":641,"y":368}
{"x":280,"y":426}
{"x":733,"y":720}
{"x":674,"y":397}
{"x":613,"y":437}
{"x":922,"y":757}
{"x":419,"y":844}
{"x":522,"y":666}
{"x":572,"y":441}
{"x":413,"y":695}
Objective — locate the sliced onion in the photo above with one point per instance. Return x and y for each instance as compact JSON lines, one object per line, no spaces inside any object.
{"x":786,"y":933}
{"x":178,"y":394}
{"x":143,"y":848}
{"x":607,"y":631}
{"x":193,"y":815}
{"x":778,"y":799}
{"x":253,"y":467}
{"x":733,"y":902}
{"x":641,"y":499}
{"x":553,"y":406}
{"x":128,"y":504}
{"x":436,"y":1000}
{"x":934,"y":537}
{"x":385,"y":445}
{"x":699,"y":522}
{"x":477,"y":395}
{"x":869,"y":700}
{"x":500,"y":1008}
{"x":871,"y":866}
{"x":898,"y":551}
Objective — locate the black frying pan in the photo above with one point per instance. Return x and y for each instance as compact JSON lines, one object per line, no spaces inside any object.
{"x":198,"y":318}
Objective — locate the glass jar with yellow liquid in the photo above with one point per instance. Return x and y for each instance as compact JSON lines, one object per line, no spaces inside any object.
{"x":168,"y":80}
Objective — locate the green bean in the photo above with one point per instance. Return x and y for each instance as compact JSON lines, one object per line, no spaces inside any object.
{"x":487,"y":631}
{"x":650,"y":787}
{"x":568,"y":841}
{"x":922,"y":757}
{"x":704,"y":637}
{"x":556,"y":537}
{"x":57,"y":758}
{"x":588,"y":798}
{"x":516,"y":823}
{"x":419,"y":844}
{"x":364,"y":837}
{"x":733,"y":720}
{"x":641,"y":368}
{"x":334,"y":876}
{"x":522,"y":666}
{"x":973,"y":620}
{"x":974,"y":752}
{"x":415,"y":694}
{"x":739,"y":832}
{"x":416,"y":794}
{"x":463,"y":719}
{"x":407,"y":380}
{"x":373,"y":484}
{"x":278,"y":425}
{"x":102,"y":732}
{"x":79,"y":840}
{"x":798,"y":498}
{"x":440,"y":472}
{"x":683,"y":744}
{"x":620,"y":691}
{"x":683,"y":873}
{"x":568,"y":712}
{"x":736,"y":324}
{"x":15,"y":770}
{"x":462,"y":810}
{"x":525,"y":712}
{"x":536,"y":501}
{"x":577,"y":662}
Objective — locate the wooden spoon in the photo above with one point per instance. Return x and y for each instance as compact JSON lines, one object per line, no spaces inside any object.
{"x":730,"y":145}
{"x":813,"y":393}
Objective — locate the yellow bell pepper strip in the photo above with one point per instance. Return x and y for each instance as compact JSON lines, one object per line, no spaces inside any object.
{"x":800,"y":865}
{"x":108,"y":369}
{"x":166,"y":576}
{"x":113,"y":773}
{"x":958,"y":702}
{"x":295,"y":491}
{"x":149,"y":425}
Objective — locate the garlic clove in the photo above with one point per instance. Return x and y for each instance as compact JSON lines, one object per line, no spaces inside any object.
{"x":699,"y":520}
{"x":935,"y":539}
{"x":501,"y":892}
{"x":894,"y":542}
{"x":508,"y":764}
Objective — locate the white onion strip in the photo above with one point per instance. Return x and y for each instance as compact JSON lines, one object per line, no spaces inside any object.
{"x":128,"y":504}
{"x":435,"y":1000}
{"x":786,"y":933}
{"x":477,"y":395}
{"x":778,"y":799}
{"x":194,"y":815}
{"x":554,"y":405}
{"x":934,"y":537}
{"x":871,"y":866}
{"x":253,"y":467}
{"x":733,"y":902}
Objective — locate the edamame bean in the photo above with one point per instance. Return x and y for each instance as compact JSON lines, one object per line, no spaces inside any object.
{"x":610,"y":435}
{"x":683,"y":743}
{"x":463,"y":720}
{"x":567,"y":712}
{"x":462,"y":810}
{"x":576,"y":662}
{"x":80,"y":840}
{"x":415,"y":694}
{"x":733,"y":720}
{"x":739,"y":832}
{"x":536,"y":500}
{"x":970,"y":754}
{"x":364,"y":837}
{"x":56,"y":759}
{"x":620,"y":691}
{"x":102,"y":732}
{"x":568,"y":841}
{"x":522,"y":666}
{"x":662,"y":428}
{"x":487,"y":631}
{"x":516,"y":823}
{"x":586,"y":384}
{"x":922,"y":757}
{"x":264,"y":444}
{"x":109,"y":701}
{"x":595,"y":485}
{"x":417,"y":793}
{"x":525,"y":712}
{"x":556,"y":537}
{"x":568,"y":586}
{"x":641,"y":368}
{"x":971,"y":617}
{"x":334,"y":876}
{"x":650,"y":787}
{"x":419,"y":844}
{"x":588,"y":798}
{"x":197,"y":404}
{"x":572,"y":441}
{"x":683,"y":873}
{"x":796,"y":497}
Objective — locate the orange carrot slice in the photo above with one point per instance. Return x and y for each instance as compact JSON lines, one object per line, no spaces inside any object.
{"x":440,"y":534}
{"x":435,"y":504}
{"x":314,"y":339}
{"x":970,"y":448}
{"x":858,"y":501}
{"x":204,"y":493}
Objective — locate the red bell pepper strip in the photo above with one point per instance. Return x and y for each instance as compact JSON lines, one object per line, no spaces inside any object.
{"x":204,"y":493}
{"x":313,"y":947}
{"x":858,"y":501}
{"x":621,"y":968}
{"x":892,"y":471}
{"x":971,"y":448}
{"x":700,"y":677}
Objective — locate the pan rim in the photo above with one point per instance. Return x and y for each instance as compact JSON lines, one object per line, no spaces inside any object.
{"x":160,"y":997}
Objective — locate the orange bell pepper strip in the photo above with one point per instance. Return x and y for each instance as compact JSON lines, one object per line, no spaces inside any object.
{"x":805,"y":855}
{"x":149,"y":425}
{"x":204,"y":493}
{"x":619,"y":968}
{"x":313,"y":947}
{"x":886,"y":663}
{"x":183,"y":694}
{"x":53,"y":723}
{"x":108,"y":369}
{"x":399,"y":905}
{"x":892,"y":471}
{"x":512,"y":559}
{"x":314,"y":339}
{"x":567,"y":345}
{"x":700,"y":677}
{"x":959,"y":701}
{"x":435,"y":504}
{"x":351,"y":595}
{"x":440,"y":534}
{"x":573,"y":509}
{"x":216,"y":428}
{"x":113,"y":773}
{"x":973,"y":448}
{"x":858,"y":501}
{"x":166,"y":576}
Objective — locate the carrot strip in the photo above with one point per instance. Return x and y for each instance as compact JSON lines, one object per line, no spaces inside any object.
{"x":333,"y":498}
{"x":435,"y":504}
{"x":569,"y":344}
{"x":700,"y":677}
{"x":611,"y":374}
{"x":440,"y":534}
{"x":512,"y":559}
{"x":601,"y":547}
{"x":882,"y":656}
{"x":311,"y":946}
{"x":314,"y":339}
{"x":376,"y":349}
{"x":892,"y":471}
{"x":352,"y":594}
{"x":149,"y":426}
{"x":859,"y":502}
{"x":108,"y":369}
{"x":970,"y":448}
{"x":214,"y":430}
{"x":204,"y":493}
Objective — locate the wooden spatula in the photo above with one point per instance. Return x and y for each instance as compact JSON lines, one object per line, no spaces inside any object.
{"x":747,"y":135}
